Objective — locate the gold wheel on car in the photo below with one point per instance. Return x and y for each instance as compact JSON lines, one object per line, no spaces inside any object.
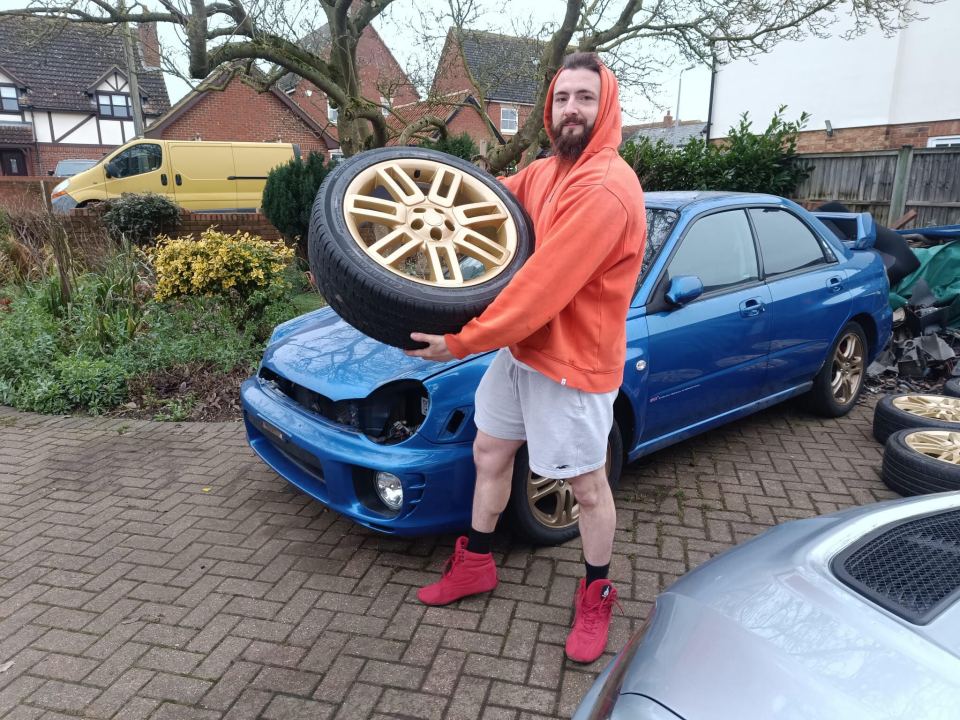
{"x":430,"y":222}
{"x":941,"y":445}
{"x":848,"y":368}
{"x":552,"y":502}
{"x":934,"y":407}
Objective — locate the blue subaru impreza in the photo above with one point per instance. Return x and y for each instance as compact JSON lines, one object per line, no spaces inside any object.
{"x":744,"y":301}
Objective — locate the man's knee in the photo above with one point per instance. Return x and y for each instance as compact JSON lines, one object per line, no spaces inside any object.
{"x":493,"y":455}
{"x":591,"y":489}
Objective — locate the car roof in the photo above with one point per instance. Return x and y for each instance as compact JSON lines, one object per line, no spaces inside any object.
{"x":679,"y":200}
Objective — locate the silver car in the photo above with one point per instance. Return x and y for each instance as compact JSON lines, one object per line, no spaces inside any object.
{"x":850,"y":616}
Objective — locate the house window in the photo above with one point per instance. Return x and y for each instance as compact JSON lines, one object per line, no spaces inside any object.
{"x":332,"y":113}
{"x":944,"y":141}
{"x":8,"y":99}
{"x":387,"y":103}
{"x":114,"y":105}
{"x":509,"y":121}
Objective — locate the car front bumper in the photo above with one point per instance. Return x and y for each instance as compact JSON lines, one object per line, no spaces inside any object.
{"x":63,"y":204}
{"x":337,"y":466}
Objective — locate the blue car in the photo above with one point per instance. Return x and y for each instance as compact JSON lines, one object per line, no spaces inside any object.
{"x":744,"y":301}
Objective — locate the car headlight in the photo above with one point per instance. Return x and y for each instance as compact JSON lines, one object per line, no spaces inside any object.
{"x":59,"y":189}
{"x":389,"y":490}
{"x":388,"y":415}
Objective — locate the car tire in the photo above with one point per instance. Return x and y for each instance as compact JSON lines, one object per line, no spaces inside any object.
{"x":840,"y":381}
{"x":553,"y":518}
{"x":951,"y":387}
{"x":395,"y":234}
{"x":917,"y":462}
{"x":915,"y":410}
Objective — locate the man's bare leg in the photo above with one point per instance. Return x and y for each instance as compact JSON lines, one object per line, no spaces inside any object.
{"x":493,"y":458}
{"x":598,"y":515}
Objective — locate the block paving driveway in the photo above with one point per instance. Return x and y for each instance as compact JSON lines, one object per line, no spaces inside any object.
{"x":158,"y":570}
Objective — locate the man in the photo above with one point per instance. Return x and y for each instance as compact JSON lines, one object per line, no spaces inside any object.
{"x":560,"y":324}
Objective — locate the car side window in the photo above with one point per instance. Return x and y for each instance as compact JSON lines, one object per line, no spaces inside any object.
{"x":719,"y":250}
{"x":786,"y":244}
{"x":138,"y":160}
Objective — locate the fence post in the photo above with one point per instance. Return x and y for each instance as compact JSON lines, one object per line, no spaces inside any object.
{"x":898,"y":201}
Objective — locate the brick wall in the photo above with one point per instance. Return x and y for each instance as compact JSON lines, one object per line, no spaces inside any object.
{"x":51,"y":153}
{"x":19,"y":194}
{"x":88,"y":221}
{"x":241,"y":114}
{"x":876,"y":137}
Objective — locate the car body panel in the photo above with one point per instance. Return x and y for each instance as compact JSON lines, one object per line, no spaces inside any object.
{"x":766,"y":631}
{"x":687,"y":370}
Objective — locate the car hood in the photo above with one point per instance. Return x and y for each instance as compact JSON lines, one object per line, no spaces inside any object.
{"x":322,"y":352}
{"x":766,"y":631}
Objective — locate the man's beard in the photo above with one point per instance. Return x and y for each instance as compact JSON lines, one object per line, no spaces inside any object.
{"x":570,"y":147}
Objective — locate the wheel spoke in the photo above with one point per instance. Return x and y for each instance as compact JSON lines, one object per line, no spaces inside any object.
{"x":937,"y":444}
{"x":540,"y":487}
{"x":400,"y":185}
{"x":395,"y":247}
{"x":936,"y":407}
{"x":480,"y":248}
{"x":364,"y":208}
{"x":444,"y":188}
{"x":480,"y":214}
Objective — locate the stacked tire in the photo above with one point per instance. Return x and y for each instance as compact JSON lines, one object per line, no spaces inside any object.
{"x":921,"y":437}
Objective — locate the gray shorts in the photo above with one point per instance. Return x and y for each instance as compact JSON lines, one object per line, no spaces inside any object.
{"x":566,"y":429}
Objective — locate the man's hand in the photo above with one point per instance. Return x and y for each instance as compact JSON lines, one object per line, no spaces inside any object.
{"x":436,"y":348}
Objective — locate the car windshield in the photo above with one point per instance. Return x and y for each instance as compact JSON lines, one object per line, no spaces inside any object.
{"x":660,"y":222}
{"x":66,"y":168}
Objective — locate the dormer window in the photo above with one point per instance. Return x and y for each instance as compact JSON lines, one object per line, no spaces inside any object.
{"x":115,"y":105}
{"x":8,"y":99}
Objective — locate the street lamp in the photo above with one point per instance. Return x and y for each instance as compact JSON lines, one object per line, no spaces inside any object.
{"x":676,"y":117}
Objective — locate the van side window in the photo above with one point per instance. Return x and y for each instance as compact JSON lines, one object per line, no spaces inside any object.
{"x":138,"y":160}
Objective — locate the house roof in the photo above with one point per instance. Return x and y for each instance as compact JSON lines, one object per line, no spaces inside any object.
{"x":504,"y":67}
{"x":58,"y":62}
{"x":315,"y":42}
{"x":671,"y":134}
{"x":16,"y":133}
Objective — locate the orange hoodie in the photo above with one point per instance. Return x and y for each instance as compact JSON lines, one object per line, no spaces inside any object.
{"x":564,"y":312}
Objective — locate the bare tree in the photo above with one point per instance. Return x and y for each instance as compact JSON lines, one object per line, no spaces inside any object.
{"x":630,"y":34}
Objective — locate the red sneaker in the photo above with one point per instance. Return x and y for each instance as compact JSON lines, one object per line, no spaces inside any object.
{"x":591,"y":620}
{"x":466,"y":573}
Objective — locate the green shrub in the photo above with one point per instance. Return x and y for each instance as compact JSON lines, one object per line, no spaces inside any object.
{"x":461,"y":145}
{"x":139,"y":217}
{"x":289,"y":194}
{"x":94,"y":383}
{"x":743,"y":162}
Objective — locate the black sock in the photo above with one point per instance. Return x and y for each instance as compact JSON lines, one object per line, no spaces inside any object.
{"x":596,"y":572}
{"x":479,"y":542}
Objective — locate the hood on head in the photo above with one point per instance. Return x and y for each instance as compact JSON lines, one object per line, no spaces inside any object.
{"x":607,"y":130}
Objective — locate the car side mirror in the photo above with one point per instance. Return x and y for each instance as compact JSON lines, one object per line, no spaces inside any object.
{"x":111,"y":169}
{"x":684,"y":289}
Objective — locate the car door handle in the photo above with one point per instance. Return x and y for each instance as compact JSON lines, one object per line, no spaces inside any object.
{"x":751,"y":307}
{"x":177,"y":179}
{"x":163,"y":178}
{"x":835,"y":284}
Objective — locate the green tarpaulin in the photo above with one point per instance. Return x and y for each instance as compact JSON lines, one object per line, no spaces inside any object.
{"x":940,"y":267}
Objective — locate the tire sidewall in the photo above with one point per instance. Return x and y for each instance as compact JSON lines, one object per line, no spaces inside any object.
{"x":888,"y":418}
{"x":823,"y":400}
{"x":909,"y":472}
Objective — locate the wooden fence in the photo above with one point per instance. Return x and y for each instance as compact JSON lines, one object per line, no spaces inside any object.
{"x":888,"y":183}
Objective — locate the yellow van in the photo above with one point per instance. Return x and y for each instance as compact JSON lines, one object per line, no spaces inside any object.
{"x":200,"y":176}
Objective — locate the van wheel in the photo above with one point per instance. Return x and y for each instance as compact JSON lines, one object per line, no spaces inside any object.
{"x":544,"y":511}
{"x":405,"y":239}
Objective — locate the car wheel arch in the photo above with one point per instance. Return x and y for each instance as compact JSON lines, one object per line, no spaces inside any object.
{"x":625,"y":417}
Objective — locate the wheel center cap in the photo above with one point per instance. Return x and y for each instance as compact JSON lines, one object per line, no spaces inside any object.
{"x":433,"y":218}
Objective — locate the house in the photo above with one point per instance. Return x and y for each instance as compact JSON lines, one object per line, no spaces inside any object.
{"x":64,"y":91}
{"x":867,"y":93}
{"x":381,"y":77}
{"x":668,"y":130}
{"x":230,"y":106}
{"x":498,"y":73}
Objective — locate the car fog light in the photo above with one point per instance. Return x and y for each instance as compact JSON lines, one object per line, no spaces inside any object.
{"x":390,"y":490}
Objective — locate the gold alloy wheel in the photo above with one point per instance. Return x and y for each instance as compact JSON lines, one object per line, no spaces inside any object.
{"x":552,"y":502}
{"x":935,"y":407}
{"x":847,"y":370}
{"x":941,"y":445}
{"x":429,"y":222}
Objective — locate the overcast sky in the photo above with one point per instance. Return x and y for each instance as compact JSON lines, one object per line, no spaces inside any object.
{"x":395,"y":29}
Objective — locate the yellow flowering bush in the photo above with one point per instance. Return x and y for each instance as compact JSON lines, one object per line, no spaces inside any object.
{"x":218,"y":264}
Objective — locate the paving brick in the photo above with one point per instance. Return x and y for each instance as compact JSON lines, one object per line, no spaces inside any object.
{"x":290,"y":708}
{"x":68,"y":697}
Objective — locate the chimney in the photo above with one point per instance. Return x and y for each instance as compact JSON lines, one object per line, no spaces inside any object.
{"x":668,"y":120}
{"x":149,"y":45}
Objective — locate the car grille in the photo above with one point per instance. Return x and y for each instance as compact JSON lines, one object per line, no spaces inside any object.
{"x":344,"y":412}
{"x":912,"y":568}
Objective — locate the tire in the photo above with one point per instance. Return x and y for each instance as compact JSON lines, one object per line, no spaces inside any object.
{"x":951,"y":388}
{"x":421,"y":198}
{"x":915,"y":410}
{"x":840,"y":381}
{"x":911,"y":465}
{"x":529,"y":519}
